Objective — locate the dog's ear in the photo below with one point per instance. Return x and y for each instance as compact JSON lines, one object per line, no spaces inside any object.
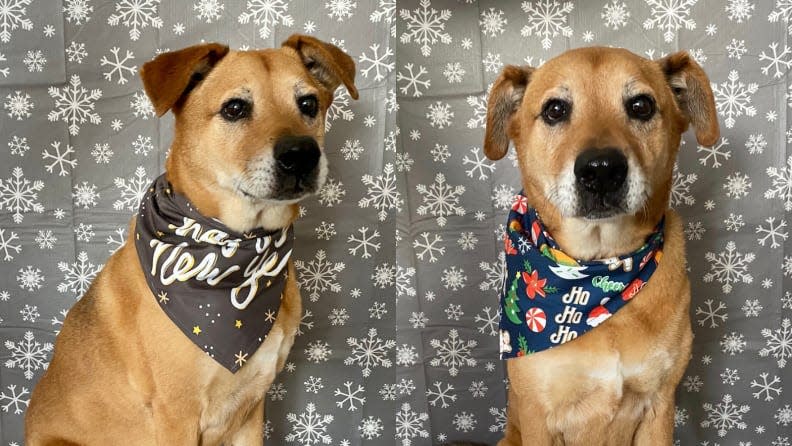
{"x":327,"y":63}
{"x":504,"y":99}
{"x":692,"y":91}
{"x":170,"y":76}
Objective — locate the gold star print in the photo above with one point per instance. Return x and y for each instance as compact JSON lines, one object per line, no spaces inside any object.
{"x":269,"y":282}
{"x":269,"y":316}
{"x":163,"y":297}
{"x":238,"y":324}
{"x":196,"y":330}
{"x":241,"y":358}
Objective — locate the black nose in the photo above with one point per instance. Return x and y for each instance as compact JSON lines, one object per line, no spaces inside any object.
{"x":297,"y":155}
{"x":601,"y":171}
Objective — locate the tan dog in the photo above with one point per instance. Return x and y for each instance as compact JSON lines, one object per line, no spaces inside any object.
{"x":597,"y":132}
{"x":249,"y":133}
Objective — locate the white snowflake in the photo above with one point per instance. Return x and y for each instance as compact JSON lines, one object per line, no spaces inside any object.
{"x":385,"y":12}
{"x":76,"y":52}
{"x":453,"y":352}
{"x":779,"y":343}
{"x":377,"y":62}
{"x":77,"y":11}
{"x":454,"y":72}
{"x":781,"y":184}
{"x":751,"y":308}
{"x":736,"y":49}
{"x":45,"y":239}
{"x":35,"y":61}
{"x":331,"y":193}
{"x":695,"y":230}
{"x":440,"y":153}
{"x":547,"y":19}
{"x":773,"y":232}
{"x":29,"y":313}
{"x":209,"y":10}
{"x":77,"y":276}
{"x":733,"y":98}
{"x":739,"y":10}
{"x":693,"y":383}
{"x":724,"y":416}
{"x":369,"y":352}
{"x":309,"y":427}
{"x":352,"y":149}
{"x":317,"y":351}
{"x":266,"y":14}
{"x":14,"y":399}
{"x":440,"y":199}
{"x":4,"y":71}
{"x":615,"y":14}
{"x":28,"y":354}
{"x":715,"y":152}
{"x":479,"y":106}
{"x":136,"y":15}
{"x":84,"y":232}
{"x":734,"y":222}
{"x":737,"y":185}
{"x":18,"y":105}
{"x":7,"y":245}
{"x":74,"y":105}
{"x":141,"y":106}
{"x":382,"y":192}
{"x":680,"y":189}
{"x":364,"y":242}
{"x":132,"y":190}
{"x":778,"y":62}
{"x":489,"y":321}
{"x":730,"y":376}
{"x":464,"y":421}
{"x":769,"y":389}
{"x":403,"y":281}
{"x":499,"y":424}
{"x":413,"y":80}
{"x":492,"y":22}
{"x":492,"y":63}
{"x":59,"y":159}
{"x":319,"y":275}
{"x":30,"y":278}
{"x":85,"y":195}
{"x":18,"y":146}
{"x":502,"y":196}
{"x":478,"y":164}
{"x":410,"y":424}
{"x":20,"y":195}
{"x":142,"y":145}
{"x":426,"y":247}
{"x":13,"y":15}
{"x":467,"y":241}
{"x":453,"y":278}
{"x":756,"y":144}
{"x":325,"y":231}
{"x":340,"y":9}
{"x":425,"y":26}
{"x":670,"y":16}
{"x":733,"y":343}
{"x":371,"y":428}
{"x":339,"y":109}
{"x":729,"y":267}
{"x":118,"y":66}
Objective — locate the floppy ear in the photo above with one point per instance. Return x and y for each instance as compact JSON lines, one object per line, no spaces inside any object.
{"x":504,"y":99}
{"x":692,"y":90}
{"x":326,"y":62}
{"x":170,"y":76}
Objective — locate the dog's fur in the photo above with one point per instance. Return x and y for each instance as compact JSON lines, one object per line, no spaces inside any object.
{"x":122,"y":372}
{"x":614,"y":385}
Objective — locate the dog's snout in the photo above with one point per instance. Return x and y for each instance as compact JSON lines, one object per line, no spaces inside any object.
{"x":601,"y":171}
{"x":297,"y":155}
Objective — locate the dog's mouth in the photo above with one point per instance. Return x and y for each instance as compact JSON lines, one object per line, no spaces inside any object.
{"x":597,"y":207}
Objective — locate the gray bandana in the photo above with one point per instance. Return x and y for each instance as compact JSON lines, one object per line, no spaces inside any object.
{"x":222,"y":289}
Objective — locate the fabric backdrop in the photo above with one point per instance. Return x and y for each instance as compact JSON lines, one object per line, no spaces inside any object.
{"x":398,"y":256}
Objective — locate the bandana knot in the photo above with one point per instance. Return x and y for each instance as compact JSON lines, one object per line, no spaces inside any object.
{"x":550,"y":298}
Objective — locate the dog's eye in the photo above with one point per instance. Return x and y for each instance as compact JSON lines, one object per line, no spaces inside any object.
{"x":641,"y":107}
{"x":308,"y":105}
{"x":555,"y":111}
{"x":235,"y":109}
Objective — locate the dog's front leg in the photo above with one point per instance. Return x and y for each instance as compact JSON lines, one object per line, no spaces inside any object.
{"x":251,"y":433}
{"x":525,"y":424}
{"x":657,"y":427}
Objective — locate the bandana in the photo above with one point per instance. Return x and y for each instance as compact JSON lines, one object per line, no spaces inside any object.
{"x":221,"y":288}
{"x":549,"y":298}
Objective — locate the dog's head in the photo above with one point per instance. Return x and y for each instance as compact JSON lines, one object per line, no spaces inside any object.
{"x":249,"y":125}
{"x":597,"y":130}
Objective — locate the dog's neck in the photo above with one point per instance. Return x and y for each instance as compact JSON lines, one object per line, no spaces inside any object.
{"x":238,"y":213}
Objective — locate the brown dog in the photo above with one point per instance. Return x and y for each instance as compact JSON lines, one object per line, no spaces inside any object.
{"x":249,"y":133}
{"x":615,"y":384}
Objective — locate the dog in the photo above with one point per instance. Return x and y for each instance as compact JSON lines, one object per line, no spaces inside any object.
{"x":596,"y":133}
{"x":248,"y":146}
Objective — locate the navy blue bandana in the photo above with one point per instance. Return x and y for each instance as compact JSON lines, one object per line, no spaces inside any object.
{"x":221,"y":288}
{"x":550,"y":298}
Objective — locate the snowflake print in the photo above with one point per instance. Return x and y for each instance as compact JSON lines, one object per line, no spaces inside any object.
{"x":453,"y":278}
{"x":410,"y":424}
{"x":28,"y":354}
{"x":547,"y":19}
{"x":30,"y":278}
{"x":733,"y":343}
{"x":464,"y":422}
{"x":739,"y":10}
{"x":730,"y":376}
{"x":364,"y":242}
{"x":492,"y":22}
{"x":319,"y":275}
{"x":734,"y":222}
{"x":29,"y":313}
{"x":77,"y":11}
{"x":385,"y":12}
{"x":467,"y":241}
{"x":119,"y":66}
{"x":209,"y":10}
{"x":712,"y":315}
{"x":352,"y":149}
{"x":733,"y":98}
{"x":725,"y":415}
{"x":756,"y":144}
{"x":45,"y":239}
{"x":266,"y":14}
{"x":426,"y":247}
{"x":6,"y":244}
{"x":18,"y":146}
{"x":76,"y":52}
{"x":489,"y":320}
{"x":693,"y":383}
{"x":325,"y":231}
{"x":479,"y":106}
{"x":729,"y":267}
{"x":778,"y":62}
{"x":695,"y":230}
{"x":340,"y":9}
{"x":377,"y":62}
{"x":453,"y":353}
{"x":425,"y":26}
{"x":751,"y":308}
{"x":670,"y":16}
{"x":132,"y":190}
{"x":141,"y":106}
{"x":440,"y":200}
{"x":767,"y":390}
{"x":439,"y":114}
{"x":382,"y":192}
{"x":13,"y":16}
{"x":20,"y":195}
{"x":338,"y":316}
{"x":369,"y":352}
{"x":478,"y":164}
{"x":102,"y":153}
{"x":74,"y":105}
{"x":615,"y":14}
{"x":318,"y":351}
{"x":85,"y":195}
{"x":136,"y":15}
{"x":781,"y":184}
{"x":737,"y":185}
{"x":714,"y":153}
{"x":142,"y":145}
{"x":492,"y":63}
{"x":339,"y":109}
{"x":77,"y":276}
{"x":502,"y":196}
{"x":773,"y":232}
{"x":84,"y":232}
{"x":454,"y":72}
{"x":4,"y":71}
{"x":331,"y":193}
{"x":413,"y":80}
{"x":351,"y":399}
{"x":12,"y":398}
{"x":309,"y":427}
{"x":18,"y":105}
{"x":779,"y":343}
{"x":371,"y":428}
{"x":58,"y":159}
{"x":736,"y":49}
{"x":35,"y":61}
